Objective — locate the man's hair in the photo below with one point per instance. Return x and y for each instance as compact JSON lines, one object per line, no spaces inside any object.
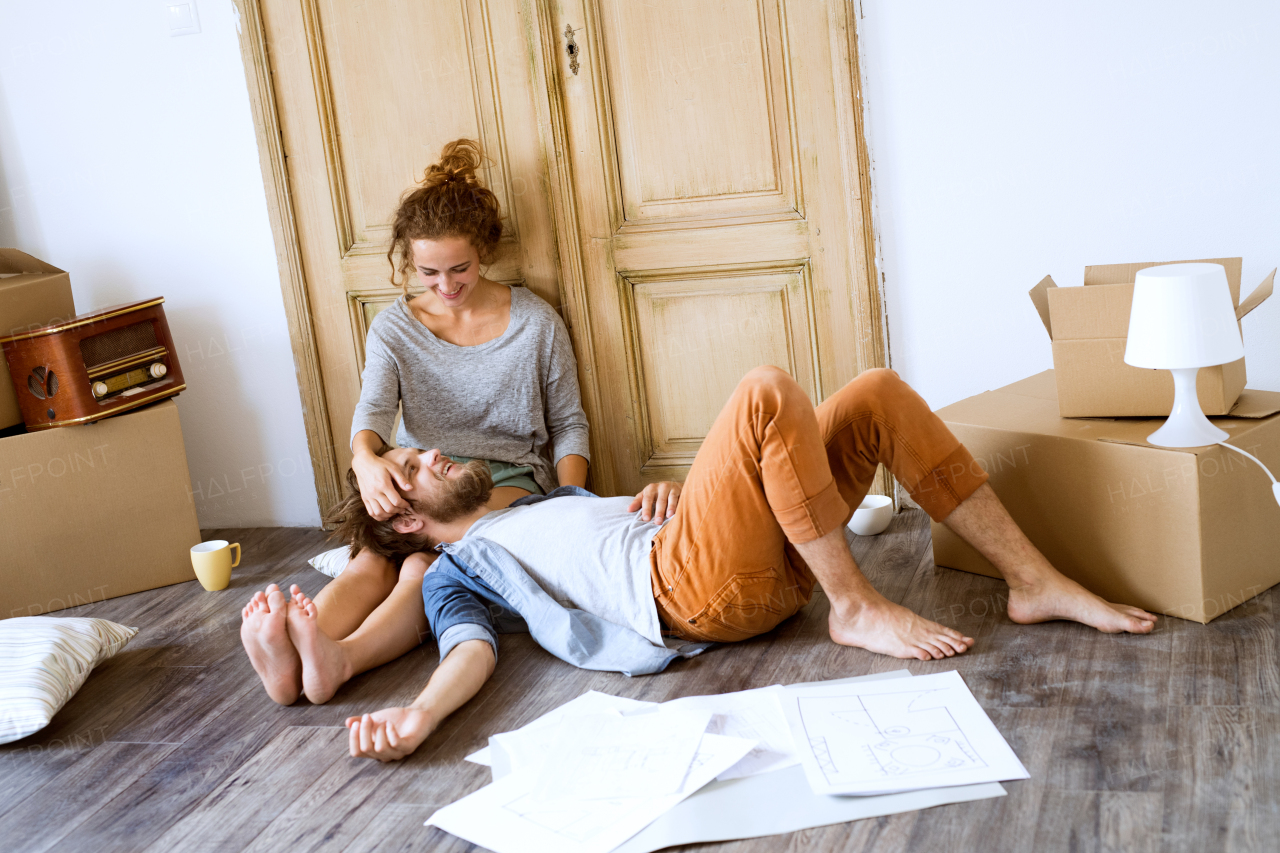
{"x":352,"y":524}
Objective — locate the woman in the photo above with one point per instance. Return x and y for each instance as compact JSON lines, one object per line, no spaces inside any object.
{"x":479,"y":369}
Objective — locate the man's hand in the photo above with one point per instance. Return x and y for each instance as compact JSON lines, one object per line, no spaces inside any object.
{"x":389,"y":734}
{"x":378,"y":480}
{"x":657,"y":501}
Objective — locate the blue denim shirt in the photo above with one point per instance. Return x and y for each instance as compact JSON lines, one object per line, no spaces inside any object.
{"x":477,"y":590}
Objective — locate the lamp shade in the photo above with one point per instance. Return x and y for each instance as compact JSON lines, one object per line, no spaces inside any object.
{"x":1182,"y":317}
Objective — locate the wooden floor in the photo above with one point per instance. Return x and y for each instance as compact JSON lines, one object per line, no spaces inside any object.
{"x":1164,"y":742}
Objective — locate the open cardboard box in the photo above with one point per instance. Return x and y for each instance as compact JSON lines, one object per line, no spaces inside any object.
{"x":32,"y":294}
{"x":94,"y":511}
{"x":1089,"y":327}
{"x":1189,"y":532}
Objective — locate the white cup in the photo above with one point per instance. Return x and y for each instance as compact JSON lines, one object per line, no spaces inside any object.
{"x":872,"y":515}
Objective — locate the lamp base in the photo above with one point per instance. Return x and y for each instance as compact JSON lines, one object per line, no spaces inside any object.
{"x":1187,"y":426}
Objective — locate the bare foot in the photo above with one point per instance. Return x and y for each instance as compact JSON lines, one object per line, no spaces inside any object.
{"x":266,"y":639}
{"x":1059,"y":597}
{"x":886,"y":628}
{"x":324,"y":666}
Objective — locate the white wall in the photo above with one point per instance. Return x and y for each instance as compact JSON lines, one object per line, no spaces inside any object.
{"x":1010,"y":140}
{"x":1015,"y":139}
{"x":128,"y":158}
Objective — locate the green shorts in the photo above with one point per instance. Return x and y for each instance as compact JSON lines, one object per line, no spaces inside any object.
{"x":506,"y":474}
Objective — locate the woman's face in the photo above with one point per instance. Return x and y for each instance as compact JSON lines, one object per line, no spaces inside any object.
{"x":448,"y":267}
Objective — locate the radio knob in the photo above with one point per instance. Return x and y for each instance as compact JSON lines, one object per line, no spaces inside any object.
{"x":100,"y":389}
{"x":158,"y":369}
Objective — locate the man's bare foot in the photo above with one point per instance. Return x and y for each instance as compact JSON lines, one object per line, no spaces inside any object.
{"x":886,"y":628}
{"x":1055,"y":596}
{"x":324,"y":666}
{"x":266,"y":639}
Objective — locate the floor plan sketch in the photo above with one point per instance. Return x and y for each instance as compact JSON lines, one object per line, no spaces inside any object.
{"x":897,"y":736}
{"x":861,"y":738}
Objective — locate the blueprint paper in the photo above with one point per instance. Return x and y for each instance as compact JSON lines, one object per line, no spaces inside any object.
{"x":528,"y":747}
{"x":588,"y":703}
{"x":768,"y":804}
{"x":780,"y":802}
{"x":609,"y":756}
{"x":899,"y":735}
{"x":750,"y":714}
{"x":507,"y":816}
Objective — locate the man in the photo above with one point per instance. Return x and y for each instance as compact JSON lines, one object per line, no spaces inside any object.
{"x":760,"y":519}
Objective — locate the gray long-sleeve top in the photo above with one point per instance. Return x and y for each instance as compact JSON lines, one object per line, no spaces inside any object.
{"x":514,"y":398}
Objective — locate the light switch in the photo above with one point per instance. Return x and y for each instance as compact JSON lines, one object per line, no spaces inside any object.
{"x":183,"y":18}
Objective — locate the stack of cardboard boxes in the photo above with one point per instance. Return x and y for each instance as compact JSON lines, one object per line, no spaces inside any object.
{"x":87,"y":512}
{"x":1189,"y":532}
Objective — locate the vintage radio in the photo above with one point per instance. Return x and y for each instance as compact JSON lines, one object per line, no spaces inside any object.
{"x":93,"y":365}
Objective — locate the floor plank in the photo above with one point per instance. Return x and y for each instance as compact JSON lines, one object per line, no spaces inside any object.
{"x":1168,"y":742}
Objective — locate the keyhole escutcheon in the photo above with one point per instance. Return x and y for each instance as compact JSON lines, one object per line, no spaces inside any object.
{"x":571,"y":48}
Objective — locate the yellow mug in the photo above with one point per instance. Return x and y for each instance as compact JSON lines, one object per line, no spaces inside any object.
{"x":212,"y":562}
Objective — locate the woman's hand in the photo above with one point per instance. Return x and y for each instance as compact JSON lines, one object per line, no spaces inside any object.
{"x":389,"y":734}
{"x":657,"y":501}
{"x":378,"y":480}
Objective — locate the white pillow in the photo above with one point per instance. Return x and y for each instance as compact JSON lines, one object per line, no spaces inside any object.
{"x":331,"y":563}
{"x":43,"y":662}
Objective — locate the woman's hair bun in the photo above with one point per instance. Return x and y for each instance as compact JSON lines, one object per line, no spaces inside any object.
{"x":458,"y":163}
{"x":450,"y":201}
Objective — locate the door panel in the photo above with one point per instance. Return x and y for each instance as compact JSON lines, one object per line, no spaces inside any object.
{"x":368,"y":94}
{"x":701,"y":124}
{"x":716,"y":184}
{"x":697,"y":334}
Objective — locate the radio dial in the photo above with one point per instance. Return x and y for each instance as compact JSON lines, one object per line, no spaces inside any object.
{"x":158,"y":370}
{"x":100,"y":389}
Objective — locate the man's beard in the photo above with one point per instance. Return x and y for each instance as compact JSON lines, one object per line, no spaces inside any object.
{"x":460,"y":496}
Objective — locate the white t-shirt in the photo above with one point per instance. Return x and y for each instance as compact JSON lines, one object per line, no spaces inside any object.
{"x":585,"y":552}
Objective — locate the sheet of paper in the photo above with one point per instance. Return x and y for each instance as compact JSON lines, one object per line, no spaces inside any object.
{"x":507,"y":816}
{"x":751,"y":714}
{"x":528,"y":747}
{"x":899,"y":735}
{"x":588,"y":703}
{"x":609,"y":756}
{"x":779,"y":802}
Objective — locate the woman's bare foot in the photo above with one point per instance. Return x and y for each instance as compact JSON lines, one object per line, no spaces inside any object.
{"x":886,"y":628}
{"x":266,"y":639}
{"x":324,"y":666}
{"x":1055,"y":596}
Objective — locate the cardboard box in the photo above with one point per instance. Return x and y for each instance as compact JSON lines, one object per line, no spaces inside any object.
{"x":32,"y":294}
{"x":94,"y":511}
{"x":1186,"y":532}
{"x":1089,"y":327}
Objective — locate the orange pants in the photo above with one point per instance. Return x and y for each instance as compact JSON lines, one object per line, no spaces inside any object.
{"x":774,"y":472}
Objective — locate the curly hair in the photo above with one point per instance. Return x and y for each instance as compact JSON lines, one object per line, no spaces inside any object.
{"x":353,"y":525}
{"x":449,"y":202}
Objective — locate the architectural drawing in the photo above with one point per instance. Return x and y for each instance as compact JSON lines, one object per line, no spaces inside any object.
{"x":861,"y":738}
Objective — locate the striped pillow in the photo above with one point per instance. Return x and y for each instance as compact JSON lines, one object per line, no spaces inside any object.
{"x":332,"y":562}
{"x":43,"y":662}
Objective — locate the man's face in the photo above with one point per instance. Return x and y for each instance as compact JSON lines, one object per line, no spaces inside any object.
{"x":440,"y":488}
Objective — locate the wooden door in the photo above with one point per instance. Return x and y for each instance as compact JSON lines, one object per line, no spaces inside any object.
{"x":720,"y":210}
{"x":366,"y":95}
{"x":694,"y":191}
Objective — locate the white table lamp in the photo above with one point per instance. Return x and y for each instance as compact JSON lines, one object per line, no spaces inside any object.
{"x":1182,"y":320}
